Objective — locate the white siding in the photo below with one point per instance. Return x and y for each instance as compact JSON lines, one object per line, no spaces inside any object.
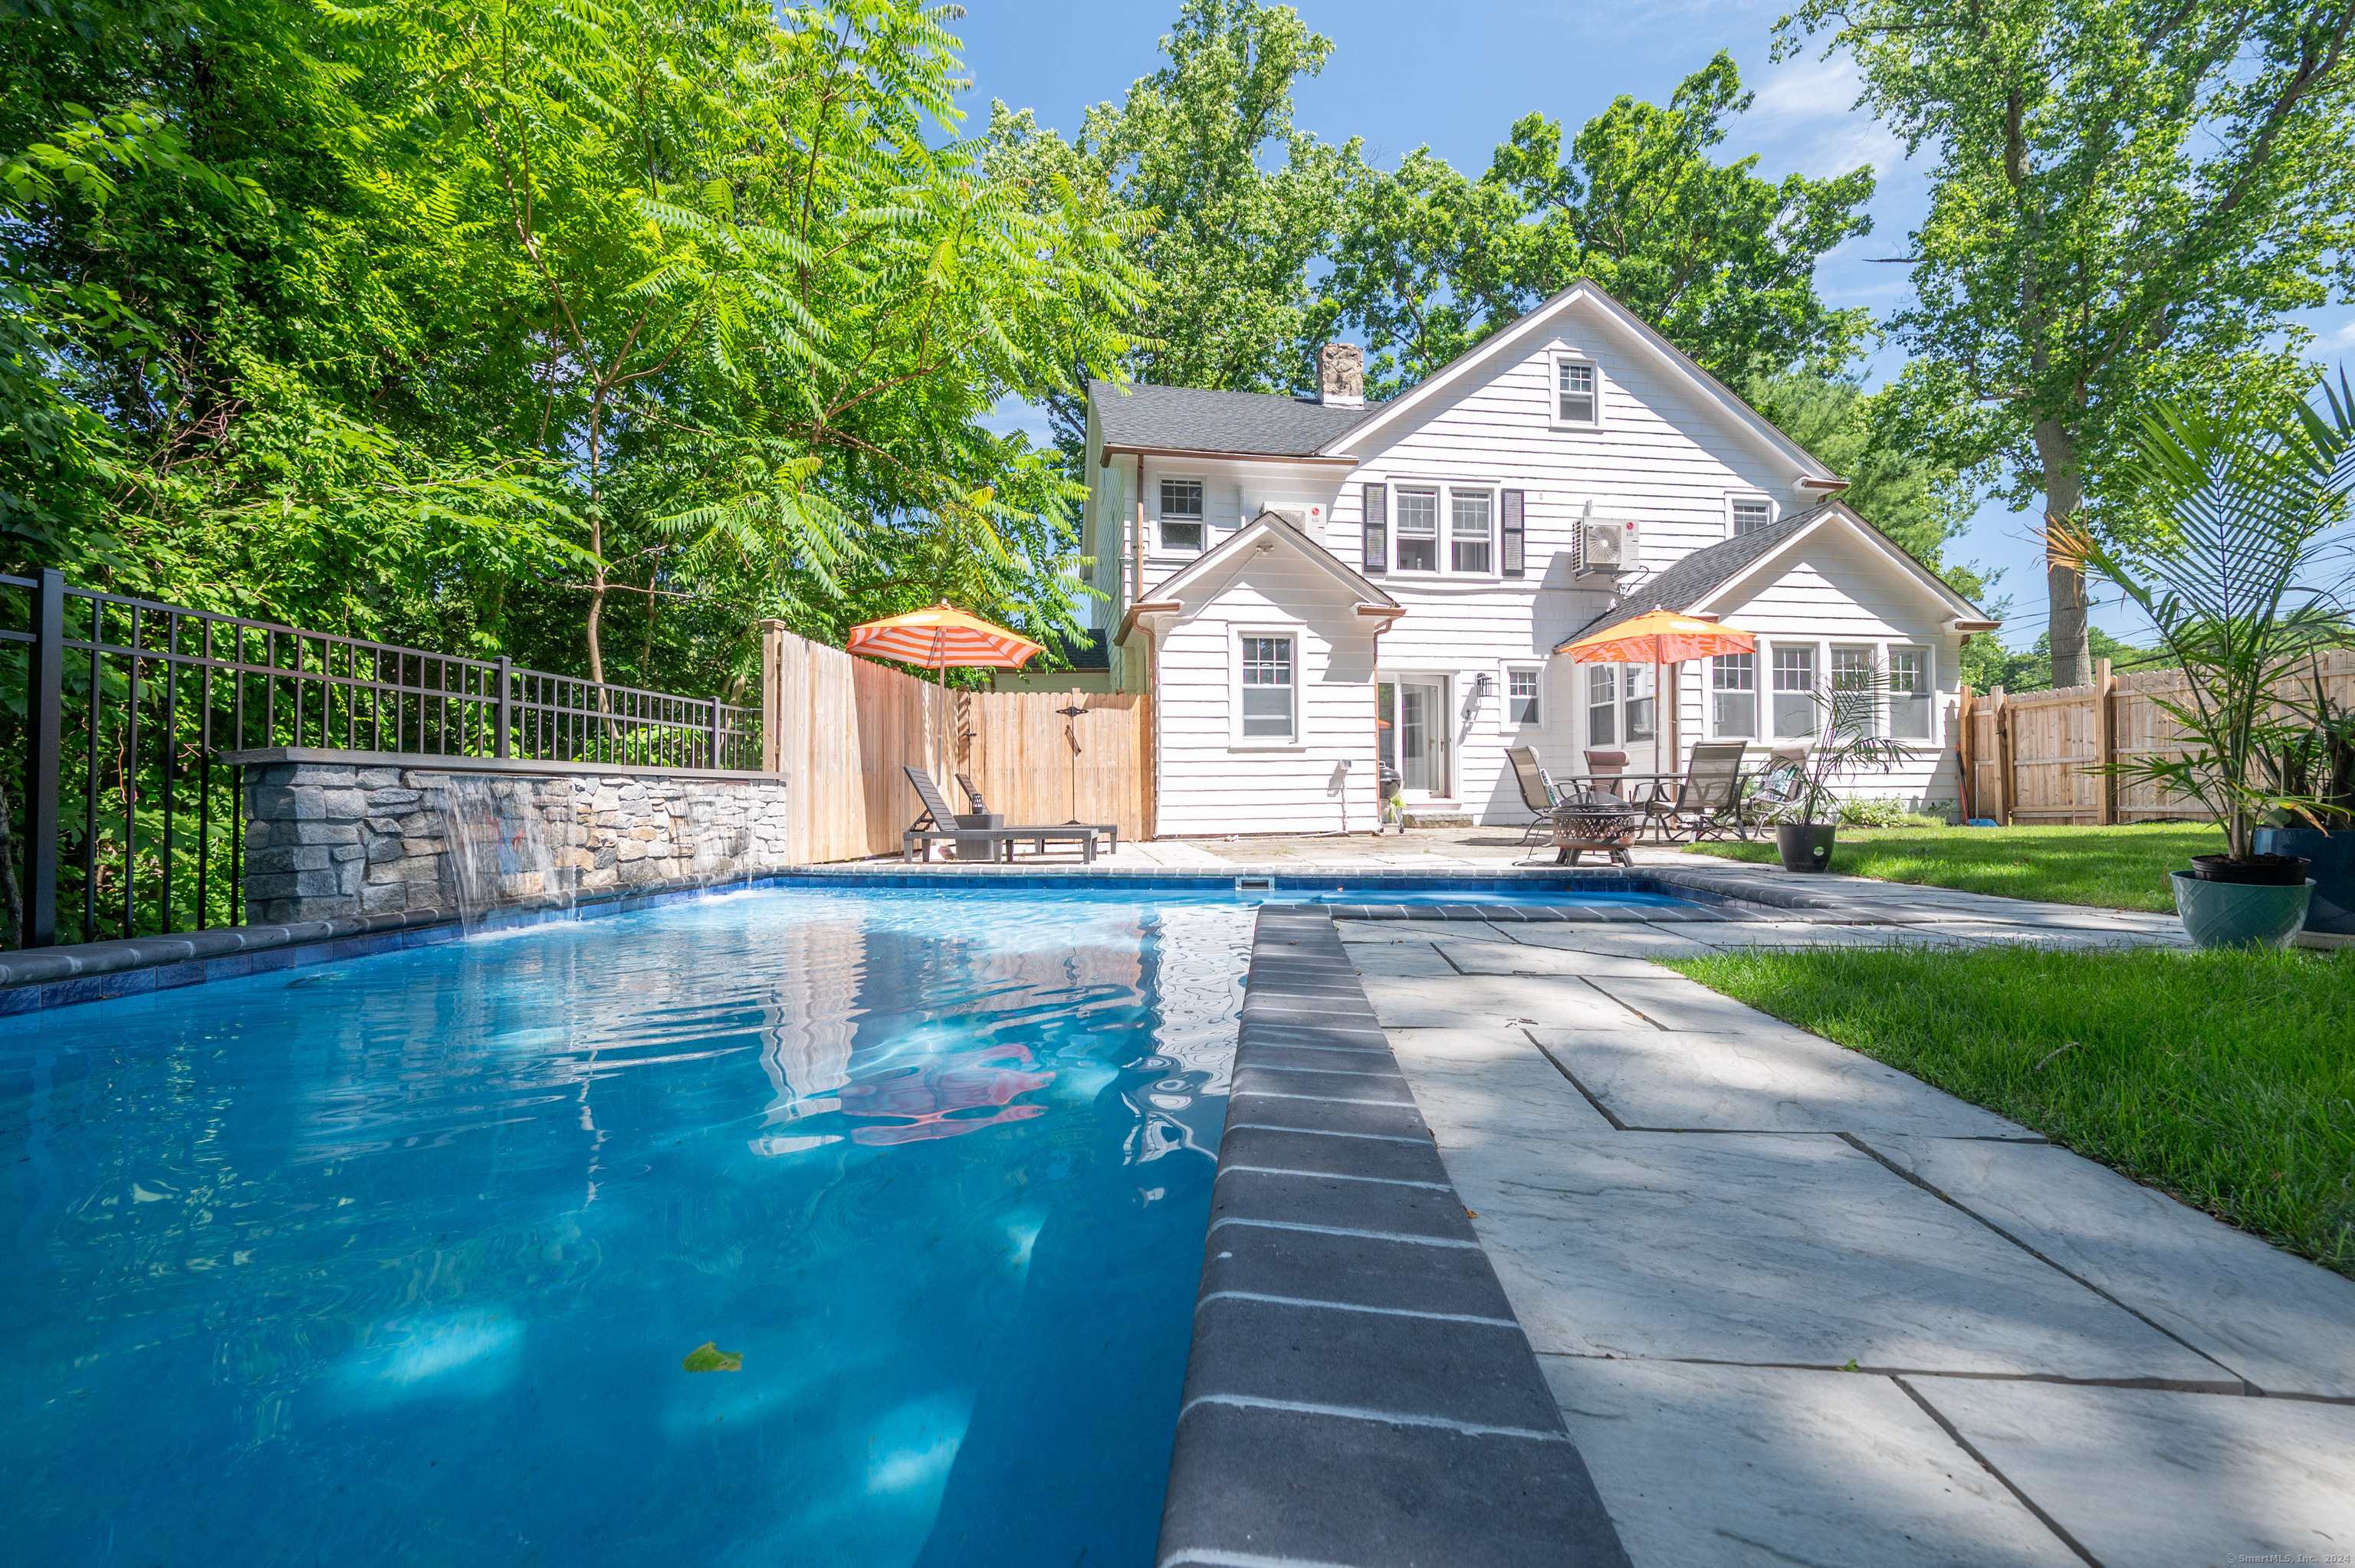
{"x":1212,"y":784}
{"x":1666,"y":456}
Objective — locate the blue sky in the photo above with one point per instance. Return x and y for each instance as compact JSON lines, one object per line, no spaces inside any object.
{"x":1456,"y":78}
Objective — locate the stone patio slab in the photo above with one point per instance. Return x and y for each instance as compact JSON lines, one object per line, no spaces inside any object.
{"x":1775,"y":1249}
{"x":1474,"y":1081}
{"x":1668,"y":1001}
{"x":1521,"y":959}
{"x":1401,"y":961}
{"x":2285,"y":1324}
{"x":1709,"y":1465}
{"x":1771,"y":1081}
{"x":1638,"y":941}
{"x":1478,"y":1000}
{"x":2145,"y":1479}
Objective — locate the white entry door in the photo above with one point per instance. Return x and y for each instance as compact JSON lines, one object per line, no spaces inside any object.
{"x":1422,"y":740}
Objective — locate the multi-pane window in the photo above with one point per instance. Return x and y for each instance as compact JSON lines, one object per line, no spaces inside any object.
{"x":1602,"y":704}
{"x":1468,"y":530}
{"x":1521,"y":696}
{"x":1642,"y":708}
{"x":1908,"y":693}
{"x":1574,"y":397}
{"x":1181,"y":514}
{"x":1751,"y":514}
{"x":1267,"y":688}
{"x":1733,"y":695}
{"x":1795,"y":690}
{"x":1416,"y":525}
{"x":1856,"y":688}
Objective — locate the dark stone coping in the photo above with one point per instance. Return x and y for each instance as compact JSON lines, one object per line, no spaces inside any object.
{"x":1359,"y":1391}
{"x":417,"y":762}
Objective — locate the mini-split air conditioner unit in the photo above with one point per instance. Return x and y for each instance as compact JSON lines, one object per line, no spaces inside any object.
{"x":1609,"y":546}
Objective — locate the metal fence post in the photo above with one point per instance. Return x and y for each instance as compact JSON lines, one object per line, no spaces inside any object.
{"x":716,"y":763}
{"x":44,"y":717}
{"x":502,"y":747}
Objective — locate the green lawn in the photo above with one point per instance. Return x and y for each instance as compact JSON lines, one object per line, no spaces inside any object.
{"x":2114,"y":868}
{"x":2227,"y":1079}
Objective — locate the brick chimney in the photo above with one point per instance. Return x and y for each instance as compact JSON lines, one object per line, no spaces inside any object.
{"x":1341,"y":376}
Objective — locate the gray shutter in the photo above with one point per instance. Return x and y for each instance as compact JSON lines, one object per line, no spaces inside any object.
{"x":1510,"y":513}
{"x":1378,"y":529}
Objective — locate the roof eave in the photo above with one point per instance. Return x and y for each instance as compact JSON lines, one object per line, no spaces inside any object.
{"x":1342,"y":460}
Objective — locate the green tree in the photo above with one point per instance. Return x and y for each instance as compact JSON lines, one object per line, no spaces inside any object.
{"x":2128,"y":196}
{"x":1232,"y":203}
{"x":1721,"y":261}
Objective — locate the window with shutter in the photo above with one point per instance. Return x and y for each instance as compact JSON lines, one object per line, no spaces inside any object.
{"x":1509,"y":513}
{"x":1378,"y":529}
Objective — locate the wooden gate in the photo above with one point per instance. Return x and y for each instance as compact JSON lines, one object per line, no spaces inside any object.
{"x":841,"y":729}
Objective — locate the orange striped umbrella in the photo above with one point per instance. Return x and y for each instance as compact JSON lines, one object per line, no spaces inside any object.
{"x":941,"y":636}
{"x":1659,"y":636}
{"x":938,"y":638}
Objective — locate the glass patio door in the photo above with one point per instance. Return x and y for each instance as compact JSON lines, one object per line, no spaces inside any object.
{"x":1421,"y":740}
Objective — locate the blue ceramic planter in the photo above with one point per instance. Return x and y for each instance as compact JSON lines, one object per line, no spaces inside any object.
{"x":2237,"y":914}
{"x":2333,"y":871}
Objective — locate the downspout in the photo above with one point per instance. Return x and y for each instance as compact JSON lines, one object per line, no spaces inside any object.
{"x":1136,"y":549}
{"x":1382,"y":804}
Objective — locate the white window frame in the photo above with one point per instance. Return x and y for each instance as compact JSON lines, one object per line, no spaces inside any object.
{"x":1236,"y":738}
{"x":1876,"y":657}
{"x":1928,"y":740}
{"x":1818,"y":671}
{"x":1554,"y":363}
{"x":1161,"y":517}
{"x":1442,"y":541}
{"x":1505,"y":674}
{"x":1610,"y":704}
{"x":1733,"y":524}
{"x":1711,"y":689}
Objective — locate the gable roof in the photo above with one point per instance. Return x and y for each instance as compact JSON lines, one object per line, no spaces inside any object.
{"x":1171,"y":594}
{"x":1140,"y":418}
{"x":1694,"y":580}
{"x":1516,"y":337}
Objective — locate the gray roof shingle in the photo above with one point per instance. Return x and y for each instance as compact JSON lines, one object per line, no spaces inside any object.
{"x":1189,"y":420}
{"x":1685,"y":583}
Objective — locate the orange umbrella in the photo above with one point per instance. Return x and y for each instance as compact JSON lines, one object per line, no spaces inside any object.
{"x":940,"y":637}
{"x":1657,"y":637}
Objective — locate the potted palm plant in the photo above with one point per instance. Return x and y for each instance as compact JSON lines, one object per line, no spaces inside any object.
{"x":1851,"y":742}
{"x":2234,"y":579}
{"x":2314,"y":761}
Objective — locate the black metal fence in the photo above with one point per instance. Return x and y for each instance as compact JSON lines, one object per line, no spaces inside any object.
{"x":122,"y":819}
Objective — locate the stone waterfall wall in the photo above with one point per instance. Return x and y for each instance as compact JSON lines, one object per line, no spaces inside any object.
{"x":327,"y":840}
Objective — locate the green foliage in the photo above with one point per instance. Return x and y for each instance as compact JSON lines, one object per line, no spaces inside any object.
{"x":1987,"y":664}
{"x":1721,"y":261}
{"x":2218,"y":1077}
{"x":2236,"y":587}
{"x":591,"y":336}
{"x":2128,"y":200}
{"x":1228,"y":203}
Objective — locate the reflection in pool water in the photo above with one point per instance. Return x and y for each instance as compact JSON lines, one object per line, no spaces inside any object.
{"x":400,"y":1264}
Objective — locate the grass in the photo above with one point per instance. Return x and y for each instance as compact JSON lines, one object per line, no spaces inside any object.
{"x":2226,"y":1079}
{"x":2113,"y":868}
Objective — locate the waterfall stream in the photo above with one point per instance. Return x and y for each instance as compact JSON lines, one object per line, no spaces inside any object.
{"x":498,"y":851}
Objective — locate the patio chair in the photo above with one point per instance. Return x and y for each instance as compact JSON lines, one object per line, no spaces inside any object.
{"x":1707,"y":802}
{"x":945,"y":825}
{"x":1538,"y":793}
{"x":973,"y":796}
{"x":1783,"y":778}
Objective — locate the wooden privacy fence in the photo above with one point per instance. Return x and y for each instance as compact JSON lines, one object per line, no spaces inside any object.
{"x":2032,"y":757}
{"x":841,"y":729}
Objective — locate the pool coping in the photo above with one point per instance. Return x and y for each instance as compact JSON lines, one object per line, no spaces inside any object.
{"x":40,"y":978}
{"x":1358,"y":1391}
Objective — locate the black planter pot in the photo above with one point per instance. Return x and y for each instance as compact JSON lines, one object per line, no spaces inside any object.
{"x":1806,"y":846}
{"x":2330,"y":859}
{"x":2263,"y":871}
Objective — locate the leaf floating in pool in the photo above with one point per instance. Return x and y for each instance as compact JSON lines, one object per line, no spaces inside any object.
{"x":710,"y":1357}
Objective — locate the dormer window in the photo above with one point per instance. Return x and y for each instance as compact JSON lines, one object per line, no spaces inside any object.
{"x":1181,"y":515}
{"x":1578,"y":395}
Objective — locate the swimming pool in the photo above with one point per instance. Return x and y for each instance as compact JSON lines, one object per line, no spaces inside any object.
{"x":401,"y":1259}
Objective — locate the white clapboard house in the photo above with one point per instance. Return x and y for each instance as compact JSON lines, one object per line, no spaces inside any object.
{"x":1314,"y":589}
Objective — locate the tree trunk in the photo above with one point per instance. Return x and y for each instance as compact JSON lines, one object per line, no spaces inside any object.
{"x":2064,"y":570}
{"x":597,"y":549}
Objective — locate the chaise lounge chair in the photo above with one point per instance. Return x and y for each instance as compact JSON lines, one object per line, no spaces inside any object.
{"x":939,"y":822}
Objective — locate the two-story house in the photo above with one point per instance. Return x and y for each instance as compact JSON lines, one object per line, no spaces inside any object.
{"x":1320,"y":592}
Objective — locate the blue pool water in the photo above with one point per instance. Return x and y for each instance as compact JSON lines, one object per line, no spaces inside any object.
{"x":397,"y":1260}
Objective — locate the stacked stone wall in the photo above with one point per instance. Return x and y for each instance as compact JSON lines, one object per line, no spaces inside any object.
{"x":325,"y":841}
